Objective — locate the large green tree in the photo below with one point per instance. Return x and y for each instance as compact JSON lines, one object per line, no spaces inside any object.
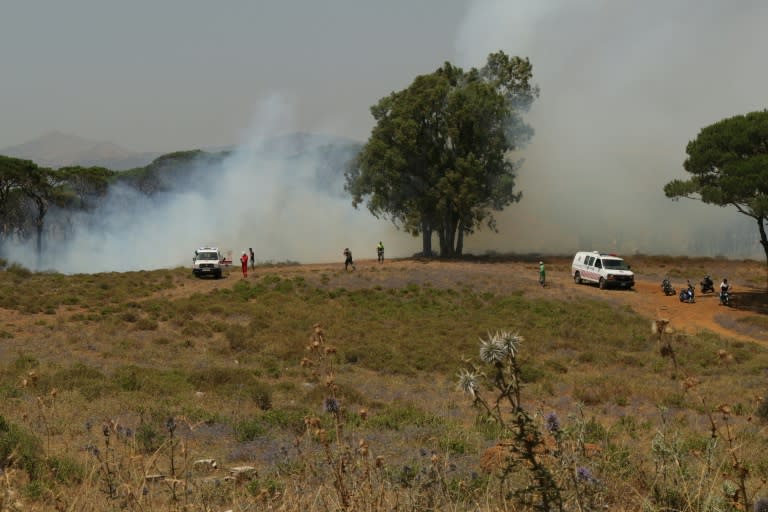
{"x":438,"y":159}
{"x":728,"y":163}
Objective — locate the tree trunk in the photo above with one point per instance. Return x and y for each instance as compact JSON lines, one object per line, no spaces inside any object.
{"x":42,"y":209}
{"x":426,"y":239}
{"x":460,"y":242}
{"x":39,"y":243}
{"x":764,"y":243}
{"x":443,"y":243}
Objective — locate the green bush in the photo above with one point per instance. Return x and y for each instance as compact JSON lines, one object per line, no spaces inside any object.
{"x":146,"y":324}
{"x":248,"y":430}
{"x":238,"y":337}
{"x":261,"y":393}
{"x":65,"y":470}
{"x":19,"y":271}
{"x":21,"y":449}
{"x":128,"y":378}
{"x":148,"y":439}
{"x":399,"y":415}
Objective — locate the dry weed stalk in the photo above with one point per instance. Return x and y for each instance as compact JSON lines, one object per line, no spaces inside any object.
{"x":733,"y":469}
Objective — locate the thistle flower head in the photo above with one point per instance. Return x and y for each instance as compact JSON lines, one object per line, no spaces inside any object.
{"x":467,"y":382}
{"x":499,"y":346}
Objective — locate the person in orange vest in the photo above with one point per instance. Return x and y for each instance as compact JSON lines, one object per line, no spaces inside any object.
{"x":244,"y":264}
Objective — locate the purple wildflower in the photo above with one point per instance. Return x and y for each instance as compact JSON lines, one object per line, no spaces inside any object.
{"x":552,"y":423}
{"x":331,"y":405}
{"x":583,"y":474}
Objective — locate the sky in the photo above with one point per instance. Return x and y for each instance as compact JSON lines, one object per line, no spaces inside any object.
{"x":624,"y":87}
{"x":170,"y":74}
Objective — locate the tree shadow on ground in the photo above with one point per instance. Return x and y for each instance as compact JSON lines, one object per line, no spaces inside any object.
{"x":753,"y":301}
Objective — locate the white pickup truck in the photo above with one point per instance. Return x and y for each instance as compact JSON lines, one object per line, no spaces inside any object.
{"x":208,"y":261}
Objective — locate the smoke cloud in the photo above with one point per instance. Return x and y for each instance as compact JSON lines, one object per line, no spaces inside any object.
{"x":266,"y":195}
{"x":624,"y":87}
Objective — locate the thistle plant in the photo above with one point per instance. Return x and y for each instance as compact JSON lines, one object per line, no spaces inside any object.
{"x":535,"y":485}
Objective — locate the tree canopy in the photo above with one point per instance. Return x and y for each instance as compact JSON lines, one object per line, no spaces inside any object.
{"x":438,"y":158}
{"x":728,"y":163}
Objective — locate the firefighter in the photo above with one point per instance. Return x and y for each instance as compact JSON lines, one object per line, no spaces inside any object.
{"x":244,"y":264}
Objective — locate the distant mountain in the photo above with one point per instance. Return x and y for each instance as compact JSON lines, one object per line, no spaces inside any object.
{"x":57,"y":149}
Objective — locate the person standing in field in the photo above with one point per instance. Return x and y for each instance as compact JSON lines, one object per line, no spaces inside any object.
{"x":380,"y":252}
{"x":253,"y":259}
{"x":348,"y":259}
{"x":542,"y":273}
{"x":244,"y":264}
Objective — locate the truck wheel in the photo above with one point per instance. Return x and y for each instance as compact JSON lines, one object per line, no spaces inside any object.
{"x":218,"y":274}
{"x":577,"y":278}
{"x":601,"y":284}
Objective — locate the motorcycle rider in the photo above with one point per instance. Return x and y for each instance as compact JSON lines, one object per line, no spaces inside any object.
{"x":687,"y":294}
{"x":707,"y":285}
{"x":666,"y":286}
{"x":725,"y":289}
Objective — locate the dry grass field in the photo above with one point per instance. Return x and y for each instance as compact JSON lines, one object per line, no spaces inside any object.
{"x":305,"y":387}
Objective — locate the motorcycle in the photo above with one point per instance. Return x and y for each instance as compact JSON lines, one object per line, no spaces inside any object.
{"x":707,"y":285}
{"x":725,"y":298}
{"x":666,"y":287}
{"x":687,"y":295}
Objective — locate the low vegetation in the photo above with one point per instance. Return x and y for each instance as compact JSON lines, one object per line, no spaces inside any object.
{"x":300,"y":389}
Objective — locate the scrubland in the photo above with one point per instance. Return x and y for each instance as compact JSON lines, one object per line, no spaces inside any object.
{"x":403,"y":386}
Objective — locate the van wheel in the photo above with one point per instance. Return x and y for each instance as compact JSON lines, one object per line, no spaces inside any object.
{"x":577,"y":278}
{"x":601,"y":284}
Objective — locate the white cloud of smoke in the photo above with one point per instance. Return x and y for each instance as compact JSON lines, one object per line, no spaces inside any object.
{"x":261,"y":198}
{"x":624,"y":87}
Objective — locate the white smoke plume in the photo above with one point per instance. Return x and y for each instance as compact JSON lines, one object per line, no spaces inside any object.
{"x":624,"y":87}
{"x":267,"y":200}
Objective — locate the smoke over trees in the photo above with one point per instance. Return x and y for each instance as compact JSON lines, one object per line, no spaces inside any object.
{"x":29,"y":192}
{"x":438,"y":159}
{"x":86,"y":219}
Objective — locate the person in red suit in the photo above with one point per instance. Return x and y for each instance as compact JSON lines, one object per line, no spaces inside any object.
{"x":244,"y":264}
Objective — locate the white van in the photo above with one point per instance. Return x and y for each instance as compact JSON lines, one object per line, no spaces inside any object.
{"x":606,"y":270}
{"x":207,"y":261}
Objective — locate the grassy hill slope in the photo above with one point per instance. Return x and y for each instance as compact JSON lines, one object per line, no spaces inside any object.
{"x":313,"y":388}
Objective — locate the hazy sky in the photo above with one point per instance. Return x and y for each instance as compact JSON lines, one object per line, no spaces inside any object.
{"x":172,"y":74}
{"x":624,"y":86}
